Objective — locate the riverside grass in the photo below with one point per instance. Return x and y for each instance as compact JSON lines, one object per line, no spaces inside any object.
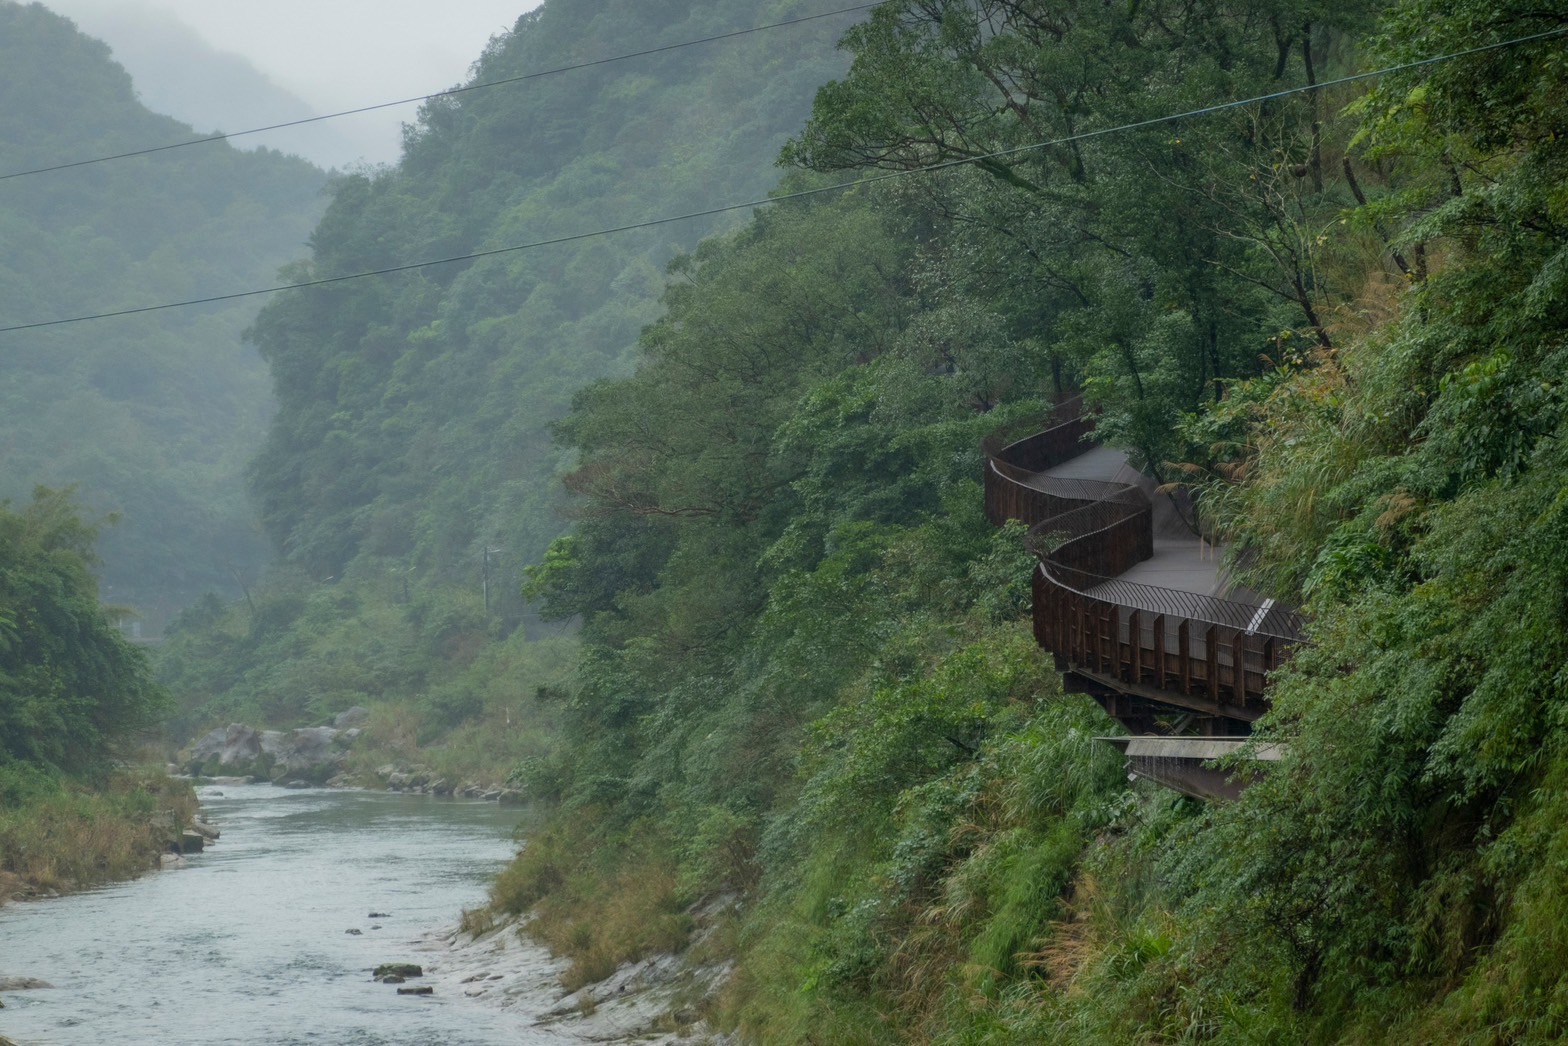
{"x":69,"y":837}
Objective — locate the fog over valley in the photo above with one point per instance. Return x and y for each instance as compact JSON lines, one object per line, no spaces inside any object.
{"x":230,"y":66}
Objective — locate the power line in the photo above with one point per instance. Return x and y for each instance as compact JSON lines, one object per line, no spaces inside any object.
{"x":783,"y":197}
{"x":427,"y":97}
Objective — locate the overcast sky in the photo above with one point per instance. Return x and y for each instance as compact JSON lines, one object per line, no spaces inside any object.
{"x":334,"y":54}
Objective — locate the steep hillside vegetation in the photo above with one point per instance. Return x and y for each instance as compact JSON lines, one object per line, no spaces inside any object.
{"x":807,"y":685}
{"x":806,"y":694}
{"x":152,"y":416}
{"x":411,"y":464}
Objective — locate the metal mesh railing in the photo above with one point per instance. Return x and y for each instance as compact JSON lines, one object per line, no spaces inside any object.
{"x":1267,"y":620}
{"x":1087,"y":532}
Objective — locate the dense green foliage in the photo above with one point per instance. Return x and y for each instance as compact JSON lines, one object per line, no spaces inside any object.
{"x":805,"y":680}
{"x":71,"y":688}
{"x":411,"y":468}
{"x":806,"y":693}
{"x":152,"y":417}
{"x":75,"y":698}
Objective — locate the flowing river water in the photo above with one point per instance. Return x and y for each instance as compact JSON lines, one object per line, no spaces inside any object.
{"x":250,"y":944}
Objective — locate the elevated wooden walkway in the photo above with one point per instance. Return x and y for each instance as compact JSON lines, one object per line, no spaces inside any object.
{"x":1131,"y":602}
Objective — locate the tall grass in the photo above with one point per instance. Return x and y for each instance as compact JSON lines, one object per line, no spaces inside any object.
{"x":596,"y":920}
{"x":72,"y":837}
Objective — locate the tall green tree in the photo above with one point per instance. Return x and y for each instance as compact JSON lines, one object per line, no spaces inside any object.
{"x":73,"y":690}
{"x":1149,"y":266}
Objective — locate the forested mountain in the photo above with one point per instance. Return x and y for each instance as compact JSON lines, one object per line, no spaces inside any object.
{"x":178,"y":73}
{"x":414,"y":411}
{"x":411,"y":464}
{"x":154,"y":417}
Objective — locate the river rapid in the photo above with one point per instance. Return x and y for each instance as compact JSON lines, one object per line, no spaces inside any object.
{"x":250,"y":943}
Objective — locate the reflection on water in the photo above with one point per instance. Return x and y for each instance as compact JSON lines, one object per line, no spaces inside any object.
{"x":250,"y":943}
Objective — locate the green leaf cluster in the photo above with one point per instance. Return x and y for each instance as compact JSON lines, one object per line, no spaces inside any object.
{"x":73,"y":691}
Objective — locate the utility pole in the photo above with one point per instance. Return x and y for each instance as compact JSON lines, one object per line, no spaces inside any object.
{"x":485,"y":575}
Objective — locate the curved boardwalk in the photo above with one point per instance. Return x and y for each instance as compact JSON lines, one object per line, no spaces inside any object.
{"x":1132,"y":604}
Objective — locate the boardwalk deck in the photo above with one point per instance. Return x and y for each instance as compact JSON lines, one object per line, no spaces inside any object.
{"x":1136,"y":608}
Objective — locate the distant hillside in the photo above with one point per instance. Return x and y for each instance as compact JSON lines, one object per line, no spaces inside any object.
{"x":412,"y":462}
{"x":152,"y":416}
{"x":415,"y":412}
{"x":178,"y":73}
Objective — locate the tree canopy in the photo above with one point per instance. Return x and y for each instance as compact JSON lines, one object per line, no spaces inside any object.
{"x":72,"y":688}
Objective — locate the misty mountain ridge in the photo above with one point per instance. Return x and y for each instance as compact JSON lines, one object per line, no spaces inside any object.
{"x":152,"y":417}
{"x":178,"y":73}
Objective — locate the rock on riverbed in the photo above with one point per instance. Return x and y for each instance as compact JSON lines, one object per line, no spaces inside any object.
{"x":312,"y":753}
{"x":22,"y":984}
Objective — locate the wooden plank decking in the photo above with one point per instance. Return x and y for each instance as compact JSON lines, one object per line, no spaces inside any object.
{"x":1135,"y":607}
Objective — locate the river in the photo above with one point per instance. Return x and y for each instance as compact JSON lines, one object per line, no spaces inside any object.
{"x":250,"y":944}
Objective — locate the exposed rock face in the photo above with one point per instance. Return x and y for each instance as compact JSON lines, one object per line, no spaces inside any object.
{"x":310,"y":754}
{"x":234,"y":745}
{"x":208,"y":745}
{"x":350,"y":718}
{"x":309,"y":749}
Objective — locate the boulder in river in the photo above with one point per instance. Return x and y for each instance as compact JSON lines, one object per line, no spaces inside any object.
{"x":399,"y":969}
{"x":22,"y":984}
{"x":423,"y":989}
{"x":208,"y":745}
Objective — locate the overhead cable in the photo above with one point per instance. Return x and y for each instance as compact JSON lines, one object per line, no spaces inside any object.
{"x":1208,"y":110}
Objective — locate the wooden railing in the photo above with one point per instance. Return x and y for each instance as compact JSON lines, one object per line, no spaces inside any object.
{"x":1192,"y":651}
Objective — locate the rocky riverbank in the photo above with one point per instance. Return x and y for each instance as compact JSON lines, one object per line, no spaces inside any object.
{"x":318,"y":756}
{"x":306,"y":756}
{"x":659,"y":999}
